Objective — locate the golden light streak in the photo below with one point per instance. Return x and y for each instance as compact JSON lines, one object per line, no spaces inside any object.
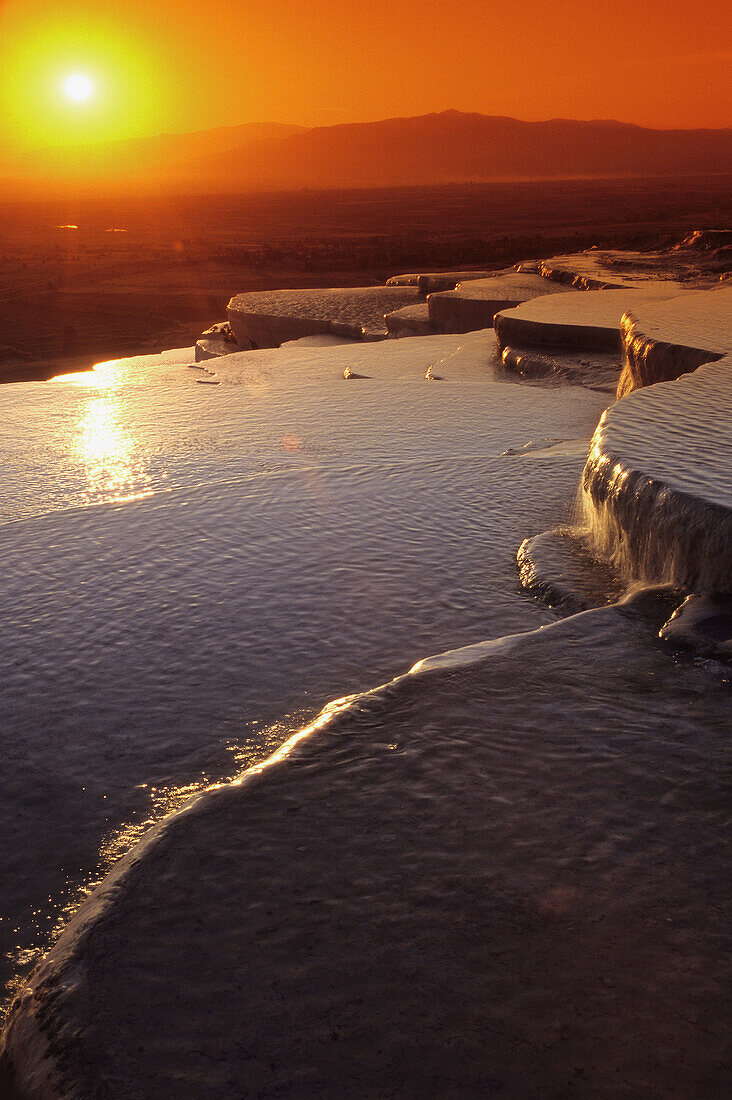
{"x":104,"y":446}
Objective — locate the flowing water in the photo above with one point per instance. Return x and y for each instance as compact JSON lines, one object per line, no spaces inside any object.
{"x":656,"y":495}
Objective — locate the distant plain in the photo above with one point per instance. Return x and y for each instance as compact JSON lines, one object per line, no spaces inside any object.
{"x":86,"y":280}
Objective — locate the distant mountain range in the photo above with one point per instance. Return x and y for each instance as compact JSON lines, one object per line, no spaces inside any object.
{"x":162,"y":157}
{"x":430,"y":149}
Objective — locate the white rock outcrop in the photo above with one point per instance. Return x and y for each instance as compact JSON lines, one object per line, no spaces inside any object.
{"x":429,"y":281}
{"x":580,"y":319}
{"x":675,"y":337}
{"x":657,"y":487}
{"x":474,"y":304}
{"x":270,"y":318}
{"x":608,"y":269}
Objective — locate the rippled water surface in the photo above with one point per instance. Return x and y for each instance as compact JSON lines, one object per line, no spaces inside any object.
{"x":191,"y":570}
{"x":507,"y":874}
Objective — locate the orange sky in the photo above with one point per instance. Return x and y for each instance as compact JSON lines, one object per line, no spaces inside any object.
{"x":182,"y":65}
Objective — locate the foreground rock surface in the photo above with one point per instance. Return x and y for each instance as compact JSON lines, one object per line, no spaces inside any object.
{"x":262,"y":521}
{"x":502,"y":873}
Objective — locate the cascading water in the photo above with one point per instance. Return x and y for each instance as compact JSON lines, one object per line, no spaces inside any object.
{"x":655,"y":499}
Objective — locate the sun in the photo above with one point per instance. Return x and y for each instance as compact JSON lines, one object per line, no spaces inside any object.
{"x":79,"y":87}
{"x":71,"y":75}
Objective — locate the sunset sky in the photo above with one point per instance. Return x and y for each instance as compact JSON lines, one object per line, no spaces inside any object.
{"x":183,"y":65}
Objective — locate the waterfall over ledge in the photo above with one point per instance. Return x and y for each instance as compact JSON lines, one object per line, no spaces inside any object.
{"x":656,"y":489}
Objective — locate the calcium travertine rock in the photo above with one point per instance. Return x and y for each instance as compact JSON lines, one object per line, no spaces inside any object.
{"x":671,"y":338}
{"x":657,"y":490}
{"x":598,"y":369}
{"x":410,"y":321}
{"x":467,"y":854}
{"x":579,"y":319}
{"x":474,"y":304}
{"x":237,"y":921}
{"x":608,"y":269}
{"x":429,"y":281}
{"x":705,"y":240}
{"x":702,"y":624}
{"x":271,"y":318}
{"x":216,"y":340}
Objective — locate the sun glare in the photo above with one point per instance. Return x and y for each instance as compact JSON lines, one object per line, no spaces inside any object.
{"x":72,"y":75}
{"x":78,"y":87}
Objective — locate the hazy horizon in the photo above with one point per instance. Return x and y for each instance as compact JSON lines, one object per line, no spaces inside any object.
{"x":293,"y":125}
{"x":429,"y":149}
{"x":181,"y":67}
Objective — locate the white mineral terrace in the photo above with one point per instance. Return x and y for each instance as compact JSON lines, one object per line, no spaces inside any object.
{"x":675,"y":337}
{"x":429,"y":281}
{"x":270,"y":318}
{"x":409,"y":321}
{"x":595,"y":270}
{"x":658,"y":480}
{"x":474,"y":304}
{"x":587,"y":319}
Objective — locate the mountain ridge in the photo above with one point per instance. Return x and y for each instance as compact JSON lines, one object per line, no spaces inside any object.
{"x":437,"y":147}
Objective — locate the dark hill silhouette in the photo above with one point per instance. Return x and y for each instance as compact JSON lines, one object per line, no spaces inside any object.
{"x":163,"y":157}
{"x":429,"y":149}
{"x":171,"y":150}
{"x":452,"y":146}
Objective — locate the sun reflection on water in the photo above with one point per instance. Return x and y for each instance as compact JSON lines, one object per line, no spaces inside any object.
{"x":104,"y":444}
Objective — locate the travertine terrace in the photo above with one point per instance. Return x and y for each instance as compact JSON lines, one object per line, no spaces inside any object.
{"x":475,"y":303}
{"x":271,"y":318}
{"x":657,"y":485}
{"x":410,"y":321}
{"x":429,"y":281}
{"x":675,"y":337}
{"x":583,"y":319}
